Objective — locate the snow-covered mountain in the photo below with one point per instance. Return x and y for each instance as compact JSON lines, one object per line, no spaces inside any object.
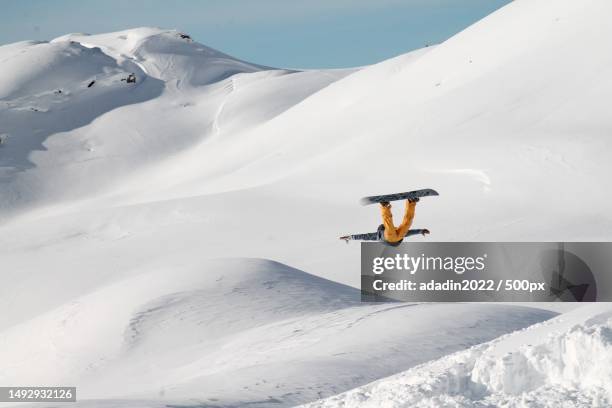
{"x":169,"y":214}
{"x":73,"y":127}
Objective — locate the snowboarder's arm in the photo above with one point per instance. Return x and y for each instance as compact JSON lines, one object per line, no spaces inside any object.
{"x":370,"y":236}
{"x":417,"y":232}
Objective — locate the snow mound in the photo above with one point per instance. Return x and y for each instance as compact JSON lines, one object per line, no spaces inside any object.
{"x":544,"y":366}
{"x":579,"y":357}
{"x":265,"y":325}
{"x":152,"y":309}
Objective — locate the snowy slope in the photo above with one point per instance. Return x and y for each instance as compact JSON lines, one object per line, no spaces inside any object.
{"x":513,"y":125}
{"x":116,"y":199}
{"x":183,"y":329}
{"x":566,"y":361}
{"x":182,"y":323}
{"x":91,"y":138}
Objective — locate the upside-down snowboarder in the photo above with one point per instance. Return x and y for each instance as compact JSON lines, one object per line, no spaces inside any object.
{"x":387,"y":232}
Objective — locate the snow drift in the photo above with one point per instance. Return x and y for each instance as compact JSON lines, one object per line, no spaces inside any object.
{"x":565,"y":361}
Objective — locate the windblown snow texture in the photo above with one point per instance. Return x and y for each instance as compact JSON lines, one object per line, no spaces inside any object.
{"x":566,"y":361}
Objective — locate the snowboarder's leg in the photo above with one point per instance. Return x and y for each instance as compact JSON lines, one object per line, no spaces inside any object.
{"x":408,"y":217}
{"x":387,"y":218}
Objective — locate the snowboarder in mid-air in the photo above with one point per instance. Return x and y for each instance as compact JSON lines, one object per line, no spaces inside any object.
{"x":387,"y":232}
{"x":392,"y":235}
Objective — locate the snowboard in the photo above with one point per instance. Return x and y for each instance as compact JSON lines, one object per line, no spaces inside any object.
{"x":409,"y":195}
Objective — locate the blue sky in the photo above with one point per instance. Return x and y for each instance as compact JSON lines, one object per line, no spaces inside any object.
{"x":280,"y":33}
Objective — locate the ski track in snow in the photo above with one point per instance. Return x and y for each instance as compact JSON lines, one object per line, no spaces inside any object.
{"x":230,"y":88}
